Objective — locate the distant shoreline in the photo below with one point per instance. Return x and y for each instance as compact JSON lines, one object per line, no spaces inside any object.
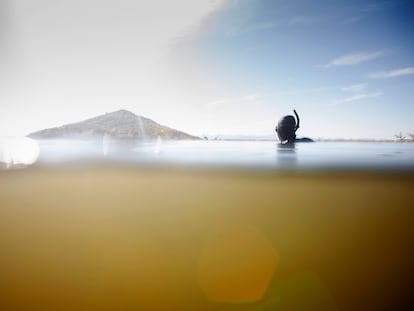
{"x":344,"y":140}
{"x":364,"y":140}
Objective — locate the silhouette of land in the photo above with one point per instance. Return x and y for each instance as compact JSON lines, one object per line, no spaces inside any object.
{"x":121,"y":124}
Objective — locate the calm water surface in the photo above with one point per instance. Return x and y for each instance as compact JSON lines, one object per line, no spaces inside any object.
{"x":238,"y":154}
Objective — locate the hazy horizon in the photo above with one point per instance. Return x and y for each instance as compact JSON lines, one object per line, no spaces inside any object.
{"x":208,"y":67}
{"x":225,"y":136}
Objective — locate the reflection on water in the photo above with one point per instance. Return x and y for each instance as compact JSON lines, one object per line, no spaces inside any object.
{"x":238,"y":154}
{"x":229,"y":154}
{"x":286,"y":155}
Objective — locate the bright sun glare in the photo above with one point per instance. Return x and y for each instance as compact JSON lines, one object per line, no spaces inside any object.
{"x":18,"y":151}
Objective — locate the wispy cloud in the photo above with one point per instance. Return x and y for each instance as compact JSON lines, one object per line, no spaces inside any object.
{"x":252,"y":99}
{"x":356,"y":97}
{"x":354,"y":88}
{"x":392,"y":74}
{"x":303,"y":20}
{"x":305,"y":91}
{"x":367,"y":9}
{"x":218,"y":4}
{"x":356,"y":58}
{"x":353,"y":19}
{"x":233,"y":4}
{"x":203,"y":10}
{"x":380,"y":6}
{"x":266,"y":25}
{"x":293,"y":21}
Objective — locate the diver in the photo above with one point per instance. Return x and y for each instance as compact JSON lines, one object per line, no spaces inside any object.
{"x":286,"y":129}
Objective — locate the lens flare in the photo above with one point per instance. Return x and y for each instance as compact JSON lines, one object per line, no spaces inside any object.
{"x":18,"y":152}
{"x":236,"y":265}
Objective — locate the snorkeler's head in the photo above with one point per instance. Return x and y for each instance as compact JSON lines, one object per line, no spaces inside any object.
{"x":286,"y":128}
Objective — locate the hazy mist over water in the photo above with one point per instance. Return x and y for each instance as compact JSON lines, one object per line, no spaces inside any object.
{"x":261,"y":155}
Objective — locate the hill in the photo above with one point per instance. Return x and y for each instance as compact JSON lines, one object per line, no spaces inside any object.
{"x":121,"y":124}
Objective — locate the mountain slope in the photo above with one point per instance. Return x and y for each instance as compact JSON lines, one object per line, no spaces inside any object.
{"x":121,"y":124}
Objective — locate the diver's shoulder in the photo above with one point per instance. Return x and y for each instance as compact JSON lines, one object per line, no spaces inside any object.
{"x":304,"y":140}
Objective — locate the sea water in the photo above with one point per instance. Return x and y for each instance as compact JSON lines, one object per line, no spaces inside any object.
{"x":167,"y":226}
{"x":269,"y":155}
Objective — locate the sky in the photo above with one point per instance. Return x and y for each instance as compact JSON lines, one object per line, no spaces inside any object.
{"x":207,"y":67}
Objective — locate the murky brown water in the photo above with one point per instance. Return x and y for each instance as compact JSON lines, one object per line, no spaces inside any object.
{"x":129,"y":238}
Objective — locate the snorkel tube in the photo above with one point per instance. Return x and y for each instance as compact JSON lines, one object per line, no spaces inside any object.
{"x":297,"y":118}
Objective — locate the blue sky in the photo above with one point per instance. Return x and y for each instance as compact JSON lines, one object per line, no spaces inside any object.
{"x":346,"y":66}
{"x":210,"y":66}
